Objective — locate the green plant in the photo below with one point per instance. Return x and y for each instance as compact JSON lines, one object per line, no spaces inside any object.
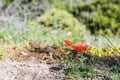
{"x":28,"y":1}
{"x":6,"y":3}
{"x":56,"y":18}
{"x":59,"y":4}
{"x":115,"y":69}
{"x":101,"y":17}
{"x":1,"y":35}
{"x":79,"y":68}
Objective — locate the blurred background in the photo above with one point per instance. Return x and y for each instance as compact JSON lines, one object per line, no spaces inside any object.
{"x":98,"y":20}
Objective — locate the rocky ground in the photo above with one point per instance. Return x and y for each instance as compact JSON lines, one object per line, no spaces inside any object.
{"x":29,"y":70}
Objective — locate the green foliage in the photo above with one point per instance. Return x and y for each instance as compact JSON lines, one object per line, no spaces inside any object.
{"x":56,"y":18}
{"x":41,"y":33}
{"x":100,"y":16}
{"x":57,"y":3}
{"x":1,"y":35}
{"x":103,"y":18}
{"x":115,"y":69}
{"x":106,"y":20}
{"x":6,"y":3}
{"x":78,"y":68}
{"x":28,"y":1}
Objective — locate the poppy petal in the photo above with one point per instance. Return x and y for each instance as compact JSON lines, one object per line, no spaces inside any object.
{"x":68,"y":42}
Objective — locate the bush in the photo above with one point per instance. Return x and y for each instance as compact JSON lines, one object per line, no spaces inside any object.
{"x":56,"y":18}
{"x":106,"y":20}
{"x":100,"y":16}
{"x":103,"y":17}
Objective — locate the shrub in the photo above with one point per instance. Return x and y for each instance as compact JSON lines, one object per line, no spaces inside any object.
{"x":56,"y":18}
{"x":103,"y":17}
{"x":100,"y":16}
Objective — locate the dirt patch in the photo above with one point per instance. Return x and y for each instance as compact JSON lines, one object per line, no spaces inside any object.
{"x":45,"y":52}
{"x":38,"y":51}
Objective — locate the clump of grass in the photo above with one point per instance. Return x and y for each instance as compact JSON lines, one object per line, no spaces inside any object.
{"x":41,"y":33}
{"x":78,"y":68}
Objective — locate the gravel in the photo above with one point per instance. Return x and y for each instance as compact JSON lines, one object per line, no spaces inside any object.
{"x":29,"y":70}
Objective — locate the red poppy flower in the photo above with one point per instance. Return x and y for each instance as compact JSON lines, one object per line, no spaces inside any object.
{"x":68,"y":42}
{"x":76,"y":46}
{"x":83,"y":46}
{"x":80,"y":47}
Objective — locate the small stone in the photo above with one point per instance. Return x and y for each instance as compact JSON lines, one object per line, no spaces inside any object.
{"x":23,"y":53}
